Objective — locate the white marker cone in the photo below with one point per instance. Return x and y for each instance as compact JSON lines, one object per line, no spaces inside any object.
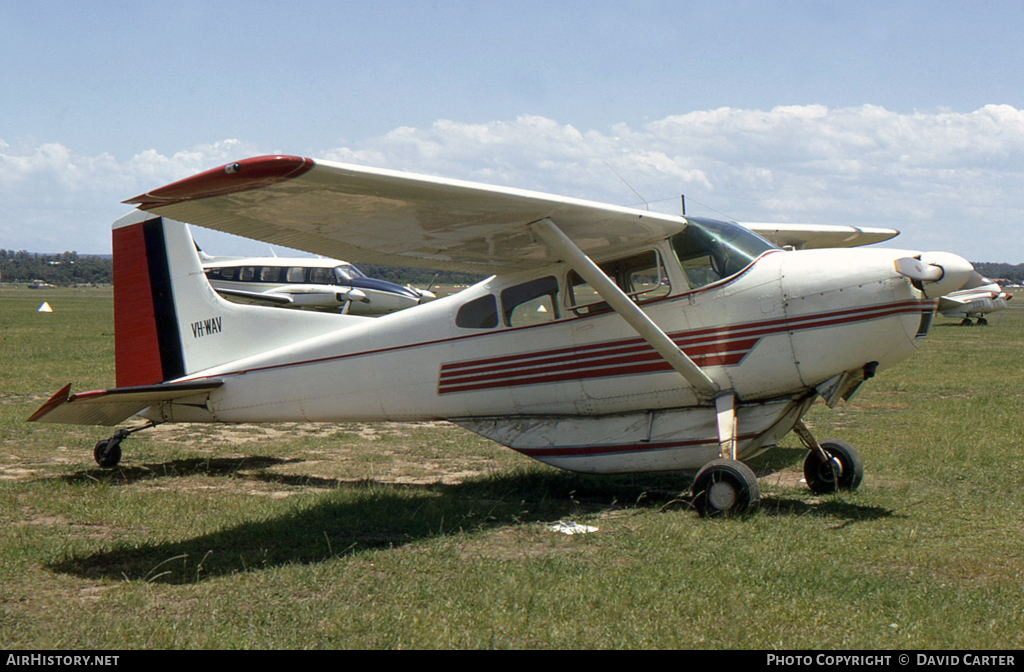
{"x":45,"y":308}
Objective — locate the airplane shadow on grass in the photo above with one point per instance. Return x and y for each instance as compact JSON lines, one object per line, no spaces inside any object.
{"x":354,"y":517}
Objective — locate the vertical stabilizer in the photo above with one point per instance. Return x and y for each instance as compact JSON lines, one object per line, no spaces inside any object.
{"x":146,"y":334}
{"x":170,"y":323}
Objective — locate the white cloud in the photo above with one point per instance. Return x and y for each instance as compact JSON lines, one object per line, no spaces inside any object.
{"x":55,"y":200}
{"x":948,"y":180}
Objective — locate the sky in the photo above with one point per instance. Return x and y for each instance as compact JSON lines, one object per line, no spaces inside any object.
{"x":907,"y":115}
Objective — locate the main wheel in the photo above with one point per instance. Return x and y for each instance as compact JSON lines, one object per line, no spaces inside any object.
{"x":107,"y":453}
{"x":725,"y":487}
{"x":843,"y":471}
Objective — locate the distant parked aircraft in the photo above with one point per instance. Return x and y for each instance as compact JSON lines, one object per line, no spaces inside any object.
{"x":320,"y":284}
{"x":976,"y":299}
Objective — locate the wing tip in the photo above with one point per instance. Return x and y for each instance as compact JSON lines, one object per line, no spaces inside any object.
{"x":244,"y":175}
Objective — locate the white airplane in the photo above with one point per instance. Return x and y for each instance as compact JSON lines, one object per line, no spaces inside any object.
{"x":606,"y":340}
{"x":321,"y":284}
{"x":979,"y":297}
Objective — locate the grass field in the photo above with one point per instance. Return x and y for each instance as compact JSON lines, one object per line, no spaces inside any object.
{"x":355,"y":536}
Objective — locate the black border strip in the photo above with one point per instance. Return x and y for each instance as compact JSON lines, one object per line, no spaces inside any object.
{"x":172,"y":359}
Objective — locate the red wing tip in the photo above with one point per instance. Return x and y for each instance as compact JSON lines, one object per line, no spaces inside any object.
{"x":244,"y":175}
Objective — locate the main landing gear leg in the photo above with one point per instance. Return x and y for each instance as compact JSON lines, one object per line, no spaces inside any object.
{"x":830,"y":465}
{"x":107,"y":453}
{"x":725,"y":486}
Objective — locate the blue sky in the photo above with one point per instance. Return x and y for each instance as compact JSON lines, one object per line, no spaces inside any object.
{"x":902,"y":114}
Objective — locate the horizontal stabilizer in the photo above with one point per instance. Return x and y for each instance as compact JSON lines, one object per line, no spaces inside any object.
{"x":110,"y":407}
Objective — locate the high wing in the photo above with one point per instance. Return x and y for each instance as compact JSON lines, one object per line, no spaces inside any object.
{"x":395,"y":218}
{"x":815,"y":236}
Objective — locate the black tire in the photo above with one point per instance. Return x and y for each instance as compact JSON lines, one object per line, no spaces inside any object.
{"x":107,"y":453}
{"x":820,"y":476}
{"x":725,"y":487}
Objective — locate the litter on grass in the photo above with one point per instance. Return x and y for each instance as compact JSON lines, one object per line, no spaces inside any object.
{"x":569,"y":527}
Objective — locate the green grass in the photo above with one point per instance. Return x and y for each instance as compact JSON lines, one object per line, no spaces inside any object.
{"x":423,"y":536}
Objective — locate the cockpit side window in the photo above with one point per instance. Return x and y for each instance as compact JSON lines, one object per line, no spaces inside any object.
{"x":532,"y":302}
{"x":642,"y":277}
{"x":709,"y":250}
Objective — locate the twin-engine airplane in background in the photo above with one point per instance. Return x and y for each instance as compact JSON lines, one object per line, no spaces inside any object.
{"x":979,"y":297}
{"x":606,"y":340}
{"x":317,"y":284}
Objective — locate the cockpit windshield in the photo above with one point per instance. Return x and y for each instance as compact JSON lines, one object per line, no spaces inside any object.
{"x":710,"y":250}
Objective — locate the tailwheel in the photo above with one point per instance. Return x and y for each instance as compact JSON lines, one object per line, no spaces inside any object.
{"x":107,"y":453}
{"x":725,"y":487}
{"x":843,"y":471}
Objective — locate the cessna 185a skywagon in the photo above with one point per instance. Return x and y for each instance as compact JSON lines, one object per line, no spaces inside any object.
{"x":607,"y":340}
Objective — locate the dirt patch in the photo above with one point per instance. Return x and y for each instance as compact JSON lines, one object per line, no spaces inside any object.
{"x":785,"y":479}
{"x":521,"y":543}
{"x":88,"y":530}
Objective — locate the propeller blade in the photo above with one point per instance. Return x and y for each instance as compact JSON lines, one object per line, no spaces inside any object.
{"x":937,"y":273}
{"x":915,"y":270}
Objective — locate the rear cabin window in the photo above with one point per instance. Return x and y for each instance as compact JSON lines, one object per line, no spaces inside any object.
{"x":247,"y":274}
{"x":479,"y":313}
{"x":642,"y":277}
{"x":532,"y":302}
{"x":322,"y":276}
{"x":222,"y":273}
{"x":296,"y":274}
{"x":270,"y":274}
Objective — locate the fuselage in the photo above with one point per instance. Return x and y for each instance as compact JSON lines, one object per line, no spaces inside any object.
{"x":774,"y":329}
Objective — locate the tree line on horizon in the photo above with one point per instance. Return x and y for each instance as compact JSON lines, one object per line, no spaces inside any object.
{"x":65,"y":269}
{"x":70,"y":268}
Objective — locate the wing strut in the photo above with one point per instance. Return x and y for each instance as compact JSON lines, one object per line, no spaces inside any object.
{"x":546,"y":230}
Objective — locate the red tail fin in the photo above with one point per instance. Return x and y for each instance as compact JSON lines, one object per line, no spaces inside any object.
{"x":148,"y":348}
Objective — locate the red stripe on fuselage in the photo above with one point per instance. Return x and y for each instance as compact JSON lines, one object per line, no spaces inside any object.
{"x":600,"y":449}
{"x":714,"y":346}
